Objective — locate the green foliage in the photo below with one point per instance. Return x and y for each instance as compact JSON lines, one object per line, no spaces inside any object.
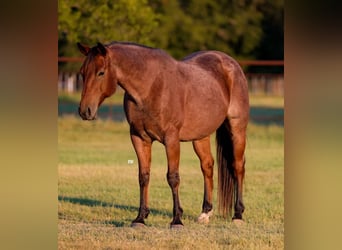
{"x":104,"y":21}
{"x":242,"y":28}
{"x":230,"y":26}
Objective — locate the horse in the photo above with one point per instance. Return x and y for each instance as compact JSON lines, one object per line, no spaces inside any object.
{"x":172,"y":101}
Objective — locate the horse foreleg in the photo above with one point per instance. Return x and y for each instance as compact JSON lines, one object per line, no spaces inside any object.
{"x":172,"y":146}
{"x":202,"y":149}
{"x":143,"y":151}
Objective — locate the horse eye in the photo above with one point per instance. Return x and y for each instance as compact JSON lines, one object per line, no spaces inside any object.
{"x":101,"y":73}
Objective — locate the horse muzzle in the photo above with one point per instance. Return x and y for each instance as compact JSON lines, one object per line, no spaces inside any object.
{"x":87,"y":113}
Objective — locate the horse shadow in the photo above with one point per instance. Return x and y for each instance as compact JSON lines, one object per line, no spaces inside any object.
{"x":98,"y":203}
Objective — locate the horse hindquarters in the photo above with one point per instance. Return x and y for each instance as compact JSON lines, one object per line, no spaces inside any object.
{"x":230,"y":141}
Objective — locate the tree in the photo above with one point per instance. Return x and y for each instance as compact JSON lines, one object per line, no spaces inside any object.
{"x":232,"y":26}
{"x":251,"y":29}
{"x":92,"y":21}
{"x":271,"y":45}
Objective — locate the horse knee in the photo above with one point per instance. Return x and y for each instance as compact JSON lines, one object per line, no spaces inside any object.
{"x":144,"y":179}
{"x":173,"y":179}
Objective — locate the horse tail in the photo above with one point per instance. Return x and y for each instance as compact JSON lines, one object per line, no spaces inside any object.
{"x":226,"y":177}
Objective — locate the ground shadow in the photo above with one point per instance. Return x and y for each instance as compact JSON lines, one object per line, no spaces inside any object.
{"x":97,"y":203}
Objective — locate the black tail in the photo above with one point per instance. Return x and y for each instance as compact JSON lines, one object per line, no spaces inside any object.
{"x":226,"y":177}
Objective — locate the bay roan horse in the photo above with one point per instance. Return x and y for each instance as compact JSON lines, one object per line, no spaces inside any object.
{"x":172,"y":101}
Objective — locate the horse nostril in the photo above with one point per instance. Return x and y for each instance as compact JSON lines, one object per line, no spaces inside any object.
{"x":86,"y":113}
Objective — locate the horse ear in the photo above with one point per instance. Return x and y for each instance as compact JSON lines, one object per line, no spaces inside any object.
{"x":102,"y":49}
{"x":84,"y":49}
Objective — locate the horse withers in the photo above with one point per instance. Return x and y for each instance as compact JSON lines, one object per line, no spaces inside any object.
{"x":171,"y":101}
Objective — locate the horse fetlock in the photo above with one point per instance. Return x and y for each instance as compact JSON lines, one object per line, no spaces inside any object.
{"x":144,"y":212}
{"x":239,"y":209}
{"x":237,"y":216}
{"x":207,"y":206}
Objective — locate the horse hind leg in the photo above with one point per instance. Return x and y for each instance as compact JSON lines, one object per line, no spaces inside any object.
{"x":202,"y":149}
{"x":238,"y":131}
{"x":231,"y":140}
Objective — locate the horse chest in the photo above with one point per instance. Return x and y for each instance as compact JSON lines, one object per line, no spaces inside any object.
{"x":151,"y":120}
{"x":145,"y":125}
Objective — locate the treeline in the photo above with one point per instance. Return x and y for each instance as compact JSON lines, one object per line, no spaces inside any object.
{"x":245,"y":29}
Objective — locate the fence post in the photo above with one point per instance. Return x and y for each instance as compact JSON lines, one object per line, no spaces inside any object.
{"x":60,"y":81}
{"x":71,"y":82}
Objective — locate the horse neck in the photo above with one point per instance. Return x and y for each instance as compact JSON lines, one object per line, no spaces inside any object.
{"x":133,"y":73}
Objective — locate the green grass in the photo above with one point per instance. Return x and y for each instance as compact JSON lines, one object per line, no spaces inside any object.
{"x":99,"y":193}
{"x":269,"y":101}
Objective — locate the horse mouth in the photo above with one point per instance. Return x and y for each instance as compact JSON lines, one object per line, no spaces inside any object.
{"x":87,"y":114}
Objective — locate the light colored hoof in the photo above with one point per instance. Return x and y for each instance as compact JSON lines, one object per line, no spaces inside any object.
{"x":177,"y":226}
{"x":204,"y":217}
{"x":138,"y":225}
{"x":238,"y":222}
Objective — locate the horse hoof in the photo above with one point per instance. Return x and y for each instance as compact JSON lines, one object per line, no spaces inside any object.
{"x":176,"y":226}
{"x":238,"y":222}
{"x":204,"y":217}
{"x":137,"y":225}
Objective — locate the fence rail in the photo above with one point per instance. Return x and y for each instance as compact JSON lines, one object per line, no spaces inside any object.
{"x":258,"y":83}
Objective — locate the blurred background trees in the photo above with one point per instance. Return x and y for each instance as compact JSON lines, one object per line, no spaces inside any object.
{"x":245,"y":29}
{"x":92,"y":21}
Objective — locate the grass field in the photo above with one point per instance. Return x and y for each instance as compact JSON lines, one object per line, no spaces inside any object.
{"x":98,"y":192}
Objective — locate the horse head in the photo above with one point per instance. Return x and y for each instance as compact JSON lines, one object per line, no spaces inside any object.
{"x":99,"y":79}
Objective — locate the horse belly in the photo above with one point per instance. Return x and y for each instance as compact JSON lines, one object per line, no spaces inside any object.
{"x":201,"y":123}
{"x":205,"y":108}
